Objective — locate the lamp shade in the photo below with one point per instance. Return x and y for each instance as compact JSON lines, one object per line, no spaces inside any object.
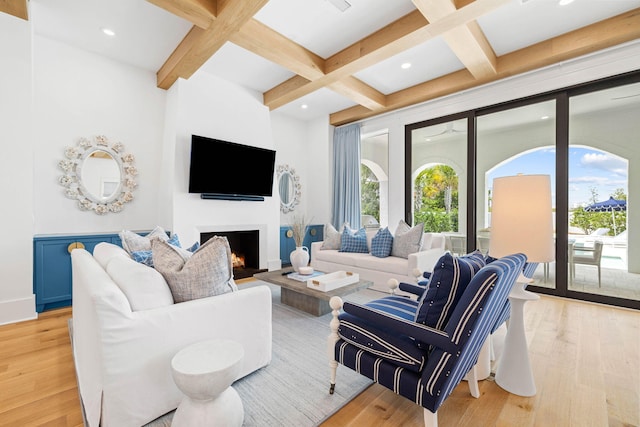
{"x":521,"y":217}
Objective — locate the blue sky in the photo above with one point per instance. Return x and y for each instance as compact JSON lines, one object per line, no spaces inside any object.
{"x":587,"y":168}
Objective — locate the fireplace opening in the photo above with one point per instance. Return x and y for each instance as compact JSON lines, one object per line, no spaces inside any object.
{"x":245,"y":251}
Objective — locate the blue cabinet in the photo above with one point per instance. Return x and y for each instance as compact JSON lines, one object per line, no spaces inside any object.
{"x":288,"y":245}
{"x":52,"y":266}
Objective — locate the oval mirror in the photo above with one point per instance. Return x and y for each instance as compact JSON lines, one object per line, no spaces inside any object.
{"x":289,"y":188}
{"x":285,"y":188}
{"x":99,"y":175}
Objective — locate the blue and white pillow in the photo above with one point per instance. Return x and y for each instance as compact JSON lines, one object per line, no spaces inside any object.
{"x":447,"y":283}
{"x":354,"y":241}
{"x":146,"y":257}
{"x":382,"y":243}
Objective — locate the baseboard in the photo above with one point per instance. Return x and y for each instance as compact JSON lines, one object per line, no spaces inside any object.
{"x":18,"y":310}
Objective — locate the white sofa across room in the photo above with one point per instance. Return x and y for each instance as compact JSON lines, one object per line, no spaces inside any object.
{"x":123,"y":354}
{"x":380,"y":270}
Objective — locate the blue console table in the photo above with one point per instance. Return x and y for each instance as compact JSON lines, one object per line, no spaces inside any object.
{"x":287,"y":244}
{"x":52,"y":266}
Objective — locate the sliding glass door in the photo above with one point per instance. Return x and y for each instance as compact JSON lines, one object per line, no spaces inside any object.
{"x":438,"y":179}
{"x":604,"y":187}
{"x":519,"y":140}
{"x":586,"y":138}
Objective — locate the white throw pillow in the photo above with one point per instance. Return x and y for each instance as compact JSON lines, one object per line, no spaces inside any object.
{"x":103,"y":252}
{"x":143,"y":286}
{"x":133,"y":242}
{"x":332,"y":238}
{"x":407,"y":240}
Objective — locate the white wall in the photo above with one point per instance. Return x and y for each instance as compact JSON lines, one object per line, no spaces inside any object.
{"x":292,"y":145}
{"x":17,"y":301}
{"x":211,"y":107}
{"x":81,"y":94}
{"x":319,"y":171}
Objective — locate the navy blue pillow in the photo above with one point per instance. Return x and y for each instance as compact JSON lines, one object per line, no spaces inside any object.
{"x":382,"y":243}
{"x":354,"y":241}
{"x":447,"y":283}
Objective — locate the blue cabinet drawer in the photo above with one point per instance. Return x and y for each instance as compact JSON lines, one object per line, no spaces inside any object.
{"x":52,"y":281}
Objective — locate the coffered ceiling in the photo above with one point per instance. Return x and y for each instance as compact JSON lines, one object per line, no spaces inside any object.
{"x":345,"y":63}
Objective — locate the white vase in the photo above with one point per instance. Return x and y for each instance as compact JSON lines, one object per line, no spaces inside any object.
{"x":299,"y":257}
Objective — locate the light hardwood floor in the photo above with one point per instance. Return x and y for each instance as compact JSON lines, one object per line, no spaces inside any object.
{"x":585,"y":358}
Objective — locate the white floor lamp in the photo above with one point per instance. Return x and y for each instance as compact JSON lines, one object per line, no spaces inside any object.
{"x":521,"y":221}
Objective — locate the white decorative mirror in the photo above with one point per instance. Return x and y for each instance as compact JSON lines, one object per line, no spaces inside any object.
{"x":99,"y":175}
{"x":289,"y":188}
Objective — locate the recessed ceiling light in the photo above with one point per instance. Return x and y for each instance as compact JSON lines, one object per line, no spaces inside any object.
{"x":564,"y":2}
{"x":406,"y":65}
{"x":304,"y":106}
{"x":109,"y":32}
{"x":544,"y":117}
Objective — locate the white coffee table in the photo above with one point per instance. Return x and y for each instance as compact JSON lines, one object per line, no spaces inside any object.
{"x":204,"y":372}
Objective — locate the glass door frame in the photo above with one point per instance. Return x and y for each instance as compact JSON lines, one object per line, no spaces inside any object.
{"x":561,"y":97}
{"x":471,"y":177}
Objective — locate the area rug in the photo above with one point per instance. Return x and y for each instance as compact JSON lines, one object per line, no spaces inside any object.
{"x":293,"y":390}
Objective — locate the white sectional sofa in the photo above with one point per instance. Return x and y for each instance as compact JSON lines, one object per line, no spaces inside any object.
{"x":380,"y":270}
{"x":122,"y":355}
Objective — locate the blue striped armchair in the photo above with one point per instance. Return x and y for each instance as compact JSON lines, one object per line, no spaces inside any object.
{"x":422,"y":349}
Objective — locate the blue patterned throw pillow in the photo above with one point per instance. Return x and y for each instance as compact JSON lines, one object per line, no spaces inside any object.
{"x":382,"y":243}
{"x":354,"y":241}
{"x":447,"y":283}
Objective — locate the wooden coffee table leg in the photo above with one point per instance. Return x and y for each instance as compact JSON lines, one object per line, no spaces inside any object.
{"x":306,"y":303}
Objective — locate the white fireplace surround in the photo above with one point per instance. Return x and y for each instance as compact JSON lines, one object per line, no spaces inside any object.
{"x":262,"y":236}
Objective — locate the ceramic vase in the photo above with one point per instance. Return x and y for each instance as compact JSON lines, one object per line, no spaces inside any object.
{"x":299,"y":257}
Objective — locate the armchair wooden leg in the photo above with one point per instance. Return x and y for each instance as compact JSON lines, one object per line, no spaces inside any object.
{"x":472,"y":379}
{"x":336,"y":304}
{"x":430,"y":418}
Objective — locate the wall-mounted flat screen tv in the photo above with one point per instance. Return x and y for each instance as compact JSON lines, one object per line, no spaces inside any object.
{"x":222,"y":168}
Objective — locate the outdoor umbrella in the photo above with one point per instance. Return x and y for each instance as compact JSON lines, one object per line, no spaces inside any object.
{"x":610,"y":205}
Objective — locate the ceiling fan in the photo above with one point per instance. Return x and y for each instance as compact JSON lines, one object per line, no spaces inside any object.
{"x":341,"y":5}
{"x":449,"y":130}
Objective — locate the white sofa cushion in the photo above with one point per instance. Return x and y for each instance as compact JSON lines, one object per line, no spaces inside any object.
{"x":103,"y":252}
{"x":143,"y":286}
{"x":337,"y":257}
{"x":390,"y":264}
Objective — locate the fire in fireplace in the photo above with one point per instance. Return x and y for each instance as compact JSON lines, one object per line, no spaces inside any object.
{"x":245,"y":250}
{"x":237,"y":260}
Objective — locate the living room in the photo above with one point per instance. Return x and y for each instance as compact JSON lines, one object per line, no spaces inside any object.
{"x":55,"y":93}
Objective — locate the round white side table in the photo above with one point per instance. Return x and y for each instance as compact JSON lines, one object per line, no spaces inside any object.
{"x":514,"y":372}
{"x":204,"y":372}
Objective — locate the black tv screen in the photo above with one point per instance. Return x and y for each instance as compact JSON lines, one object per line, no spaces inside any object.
{"x":227,"y":168}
